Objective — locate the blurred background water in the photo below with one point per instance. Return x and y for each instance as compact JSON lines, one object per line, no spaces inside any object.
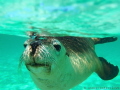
{"x":86,"y":18}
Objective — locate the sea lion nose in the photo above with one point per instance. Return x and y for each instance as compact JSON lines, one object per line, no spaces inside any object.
{"x":34,"y":45}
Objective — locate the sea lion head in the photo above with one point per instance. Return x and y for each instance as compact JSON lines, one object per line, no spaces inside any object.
{"x":47,"y":52}
{"x":43,"y":53}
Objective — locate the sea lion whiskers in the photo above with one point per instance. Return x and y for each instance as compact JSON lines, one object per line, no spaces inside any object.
{"x":49,"y":56}
{"x":20,"y":62}
{"x":44,"y":54}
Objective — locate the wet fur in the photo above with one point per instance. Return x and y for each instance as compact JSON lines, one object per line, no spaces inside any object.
{"x":76,"y":61}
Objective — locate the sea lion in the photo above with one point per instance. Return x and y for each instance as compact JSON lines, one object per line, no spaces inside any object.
{"x":60,"y":63}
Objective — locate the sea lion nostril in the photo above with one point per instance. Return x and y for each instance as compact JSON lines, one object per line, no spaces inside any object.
{"x":34,"y":45}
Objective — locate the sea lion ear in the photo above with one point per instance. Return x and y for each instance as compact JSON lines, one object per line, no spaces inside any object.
{"x":108,"y":71}
{"x":104,"y":40}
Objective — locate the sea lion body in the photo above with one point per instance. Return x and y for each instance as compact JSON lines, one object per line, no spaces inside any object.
{"x":60,"y":63}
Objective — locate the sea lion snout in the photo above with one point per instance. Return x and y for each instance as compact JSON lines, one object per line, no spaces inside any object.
{"x":34,"y":45}
{"x":42,"y":51}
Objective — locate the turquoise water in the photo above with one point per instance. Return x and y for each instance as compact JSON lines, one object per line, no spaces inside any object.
{"x":86,"y":18}
{"x":11,"y":47}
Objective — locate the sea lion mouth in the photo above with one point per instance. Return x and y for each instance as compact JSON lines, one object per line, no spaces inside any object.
{"x":39,"y":65}
{"x":33,"y":63}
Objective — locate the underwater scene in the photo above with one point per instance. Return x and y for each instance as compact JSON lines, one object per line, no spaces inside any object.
{"x":57,"y":18}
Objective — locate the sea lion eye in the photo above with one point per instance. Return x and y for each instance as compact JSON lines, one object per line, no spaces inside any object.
{"x":57,"y":47}
{"x":56,"y":44}
{"x":25,"y":45}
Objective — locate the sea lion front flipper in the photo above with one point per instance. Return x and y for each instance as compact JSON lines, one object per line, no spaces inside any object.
{"x":104,"y":40}
{"x":108,"y":71}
